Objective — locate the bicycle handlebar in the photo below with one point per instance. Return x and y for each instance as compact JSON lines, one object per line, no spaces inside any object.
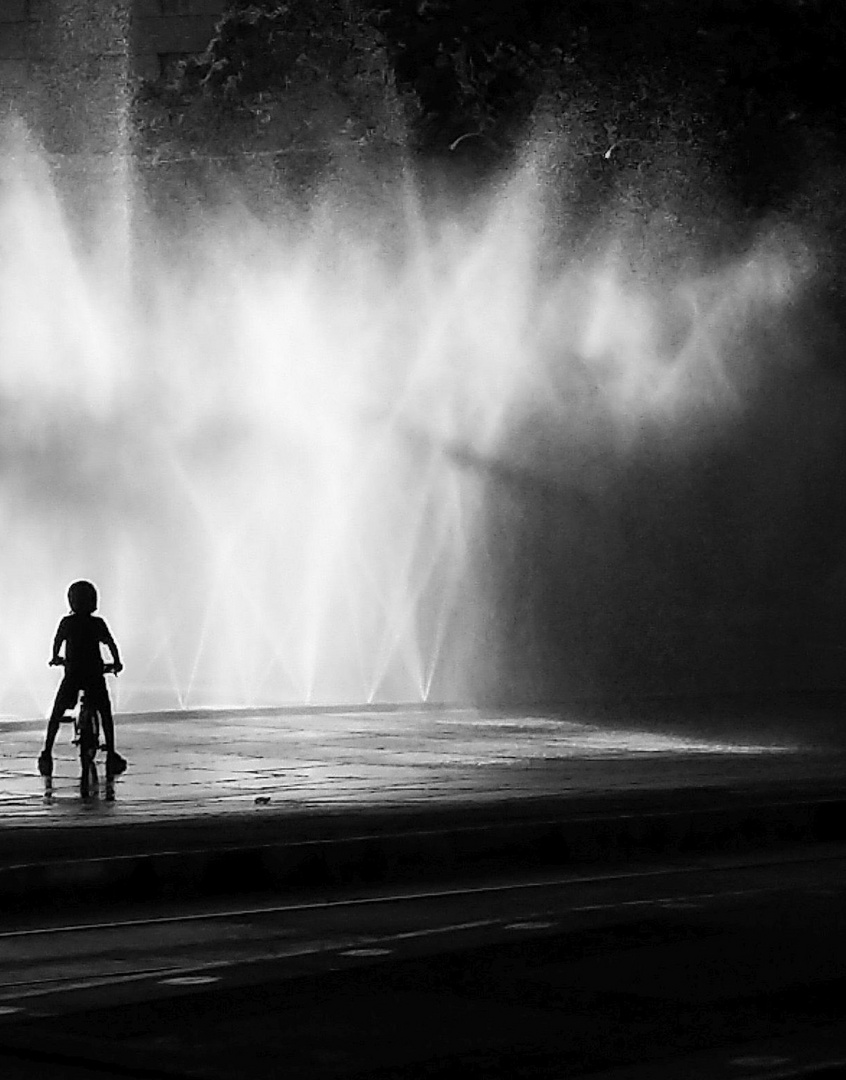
{"x":108,"y":669}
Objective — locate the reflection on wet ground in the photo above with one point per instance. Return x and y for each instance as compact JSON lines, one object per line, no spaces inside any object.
{"x":194,"y":763}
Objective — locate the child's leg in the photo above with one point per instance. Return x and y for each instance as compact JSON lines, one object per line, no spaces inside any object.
{"x":115,"y":764}
{"x":99,"y":696}
{"x":107,"y":720}
{"x":65,"y":699}
{"x":52,"y":732}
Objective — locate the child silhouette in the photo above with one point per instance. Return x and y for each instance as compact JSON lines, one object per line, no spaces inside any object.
{"x":81,"y":633}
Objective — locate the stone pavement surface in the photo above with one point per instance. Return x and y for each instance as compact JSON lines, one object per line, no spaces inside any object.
{"x":217,"y":762}
{"x":203,"y":782}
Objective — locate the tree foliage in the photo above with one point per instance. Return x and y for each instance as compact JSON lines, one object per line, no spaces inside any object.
{"x":749,"y":94}
{"x":280,"y":77}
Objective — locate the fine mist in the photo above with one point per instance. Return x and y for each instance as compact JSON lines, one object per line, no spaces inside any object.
{"x":377,"y":449}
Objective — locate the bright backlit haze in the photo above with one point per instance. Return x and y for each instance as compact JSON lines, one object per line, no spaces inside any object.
{"x":268,"y":439}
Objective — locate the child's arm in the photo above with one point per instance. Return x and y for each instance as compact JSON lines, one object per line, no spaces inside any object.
{"x":61,"y":636}
{"x":111,"y":645}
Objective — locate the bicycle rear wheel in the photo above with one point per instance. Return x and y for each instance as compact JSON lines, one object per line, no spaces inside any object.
{"x":89,"y":738}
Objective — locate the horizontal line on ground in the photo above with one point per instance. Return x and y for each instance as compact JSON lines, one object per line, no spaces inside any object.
{"x":430,"y":894}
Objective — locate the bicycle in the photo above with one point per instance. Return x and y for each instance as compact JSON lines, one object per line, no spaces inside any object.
{"x":86,"y":736}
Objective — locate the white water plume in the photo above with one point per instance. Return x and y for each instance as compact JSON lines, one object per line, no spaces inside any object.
{"x":268,"y":439}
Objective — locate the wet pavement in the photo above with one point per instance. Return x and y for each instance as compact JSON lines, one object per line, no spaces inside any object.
{"x":218,"y":762}
{"x":271,"y":782}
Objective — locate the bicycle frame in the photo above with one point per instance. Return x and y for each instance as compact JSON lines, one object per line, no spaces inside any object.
{"x":86,"y":726}
{"x":87,"y":736}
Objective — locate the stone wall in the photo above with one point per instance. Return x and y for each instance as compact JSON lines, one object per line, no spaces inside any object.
{"x":14,"y":46}
{"x":159,"y":33}
{"x":164,"y":30}
{"x":79,"y":67}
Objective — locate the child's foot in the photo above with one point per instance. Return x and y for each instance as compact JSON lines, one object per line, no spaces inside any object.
{"x":45,"y":763}
{"x":115,"y":764}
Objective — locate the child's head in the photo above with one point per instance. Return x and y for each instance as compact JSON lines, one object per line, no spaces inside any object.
{"x":82,"y":597}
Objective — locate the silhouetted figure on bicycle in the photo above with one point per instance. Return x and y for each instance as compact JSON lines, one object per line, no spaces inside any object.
{"x":82,"y":632}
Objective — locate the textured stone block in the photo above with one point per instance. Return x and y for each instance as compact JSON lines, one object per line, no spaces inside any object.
{"x":143,"y":9}
{"x":189,"y":34}
{"x":146,"y":66}
{"x":13,"y":11}
{"x":13,"y":40}
{"x":13,"y":73}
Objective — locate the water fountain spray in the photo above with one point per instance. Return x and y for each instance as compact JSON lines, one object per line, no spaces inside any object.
{"x":279,"y":441}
